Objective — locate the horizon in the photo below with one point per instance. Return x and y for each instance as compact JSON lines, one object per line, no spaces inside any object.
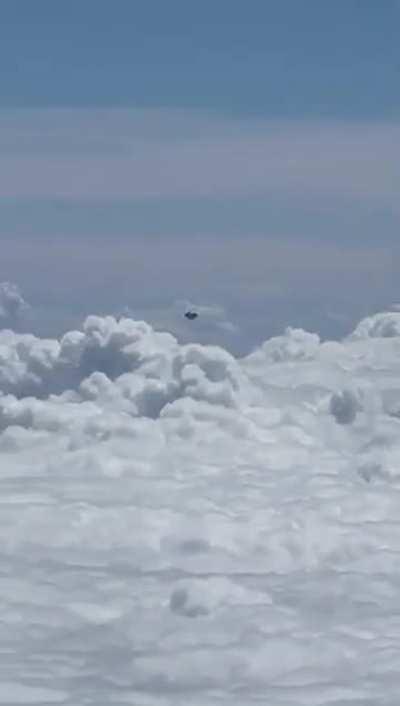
{"x":199,"y":512}
{"x":241,"y":160}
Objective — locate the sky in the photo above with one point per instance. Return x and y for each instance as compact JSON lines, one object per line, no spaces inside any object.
{"x":183,"y":523}
{"x":238,"y":157}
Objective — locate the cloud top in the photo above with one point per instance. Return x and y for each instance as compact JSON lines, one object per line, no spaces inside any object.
{"x":174,"y":505}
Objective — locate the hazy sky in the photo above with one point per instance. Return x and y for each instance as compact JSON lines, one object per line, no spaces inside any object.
{"x":243,"y":157}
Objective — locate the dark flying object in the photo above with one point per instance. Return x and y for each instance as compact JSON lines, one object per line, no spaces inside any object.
{"x":191,"y":315}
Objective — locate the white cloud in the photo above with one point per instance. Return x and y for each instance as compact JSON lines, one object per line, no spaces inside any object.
{"x":175,"y":519}
{"x":383,"y":325}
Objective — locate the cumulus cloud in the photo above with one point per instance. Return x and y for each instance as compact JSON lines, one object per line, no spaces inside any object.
{"x":173,"y":515}
{"x":294,"y":345}
{"x":382,"y":325}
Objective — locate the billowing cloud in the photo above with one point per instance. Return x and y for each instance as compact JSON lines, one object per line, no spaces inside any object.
{"x":385,"y":325}
{"x":178,"y":521}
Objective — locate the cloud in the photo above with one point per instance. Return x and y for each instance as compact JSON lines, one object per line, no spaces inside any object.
{"x":12,"y":304}
{"x":344,"y":407}
{"x":149,"y":367}
{"x":382,"y":325}
{"x":194,"y":156}
{"x":294,"y":345}
{"x":167,"y":506}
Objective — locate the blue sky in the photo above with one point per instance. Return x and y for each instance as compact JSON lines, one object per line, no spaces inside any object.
{"x":285,"y":58}
{"x":239,"y":156}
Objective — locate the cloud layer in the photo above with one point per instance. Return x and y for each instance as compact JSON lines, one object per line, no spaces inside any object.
{"x":178,"y":523}
{"x":130,"y":154}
